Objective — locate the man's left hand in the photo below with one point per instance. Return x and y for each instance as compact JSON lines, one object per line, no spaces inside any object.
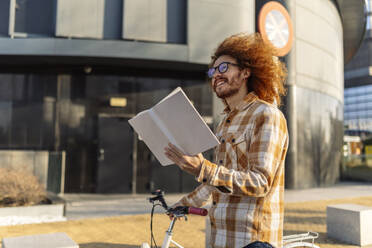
{"x":190,"y":164}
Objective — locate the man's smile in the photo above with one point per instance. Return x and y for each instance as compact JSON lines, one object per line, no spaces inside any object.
{"x":220,"y":82}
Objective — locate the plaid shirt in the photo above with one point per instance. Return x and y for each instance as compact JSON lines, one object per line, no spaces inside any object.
{"x":247,"y":182}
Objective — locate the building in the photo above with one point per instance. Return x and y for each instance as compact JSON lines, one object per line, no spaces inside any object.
{"x":358,"y":110}
{"x":358,"y":88}
{"x":73,"y":72}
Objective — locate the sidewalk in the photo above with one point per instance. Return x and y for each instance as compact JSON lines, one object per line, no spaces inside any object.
{"x":81,"y":206}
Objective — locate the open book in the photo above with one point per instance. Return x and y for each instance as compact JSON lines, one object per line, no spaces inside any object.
{"x":173,"y":120}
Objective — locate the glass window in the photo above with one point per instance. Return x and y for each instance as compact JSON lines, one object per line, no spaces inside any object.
{"x":142,"y":93}
{"x":5,"y":122}
{"x":23,"y":110}
{"x":35,"y":17}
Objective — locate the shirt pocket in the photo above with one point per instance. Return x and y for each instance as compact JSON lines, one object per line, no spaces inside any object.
{"x":239,"y":146}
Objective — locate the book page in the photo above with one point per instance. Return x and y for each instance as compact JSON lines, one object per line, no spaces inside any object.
{"x":152,"y":135}
{"x":185,"y":124}
{"x":174,"y":120}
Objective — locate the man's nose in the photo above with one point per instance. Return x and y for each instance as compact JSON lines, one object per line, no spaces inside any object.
{"x":217,"y":74}
{"x":216,"y":77}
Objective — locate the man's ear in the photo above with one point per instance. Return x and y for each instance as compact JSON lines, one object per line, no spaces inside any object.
{"x":247,"y":73}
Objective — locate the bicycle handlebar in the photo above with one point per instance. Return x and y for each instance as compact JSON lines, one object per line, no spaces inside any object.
{"x":197,"y":211}
{"x":181,"y":210}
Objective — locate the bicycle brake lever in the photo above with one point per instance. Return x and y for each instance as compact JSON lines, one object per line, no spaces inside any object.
{"x":178,"y":212}
{"x":179,"y":216}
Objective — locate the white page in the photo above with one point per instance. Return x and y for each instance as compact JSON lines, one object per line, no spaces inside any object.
{"x":185,"y":124}
{"x":174,"y":119}
{"x":152,"y":135}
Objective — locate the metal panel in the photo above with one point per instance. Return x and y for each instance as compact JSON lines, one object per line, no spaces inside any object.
{"x":82,"y":19}
{"x":94,"y":48}
{"x":114,"y":172}
{"x":319,"y":139}
{"x":354,"y":21}
{"x":113,"y":19}
{"x":176,"y":21}
{"x":209,"y":22}
{"x":315,"y":67}
{"x":4,"y":18}
{"x":145,"y":20}
{"x":56,"y":171}
{"x":36,"y":17}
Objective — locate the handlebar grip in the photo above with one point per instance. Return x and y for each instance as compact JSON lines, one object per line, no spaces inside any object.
{"x":198,"y":211}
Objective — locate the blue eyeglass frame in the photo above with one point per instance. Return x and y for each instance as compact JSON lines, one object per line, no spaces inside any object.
{"x":220,"y":68}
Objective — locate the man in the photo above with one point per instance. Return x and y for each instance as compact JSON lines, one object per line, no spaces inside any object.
{"x":247,"y":180}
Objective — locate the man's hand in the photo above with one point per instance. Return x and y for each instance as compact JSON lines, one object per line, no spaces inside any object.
{"x":190,"y":164}
{"x":171,"y":216}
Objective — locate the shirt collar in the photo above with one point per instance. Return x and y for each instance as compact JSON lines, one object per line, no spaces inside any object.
{"x":247,"y":100}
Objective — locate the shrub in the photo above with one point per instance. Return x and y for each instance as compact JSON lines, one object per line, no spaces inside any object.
{"x":20,"y":188}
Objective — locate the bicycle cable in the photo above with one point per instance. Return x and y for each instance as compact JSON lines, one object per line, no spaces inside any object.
{"x":152,"y":215}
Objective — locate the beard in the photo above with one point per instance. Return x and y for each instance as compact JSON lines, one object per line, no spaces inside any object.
{"x":231,"y":89}
{"x":226,"y":93}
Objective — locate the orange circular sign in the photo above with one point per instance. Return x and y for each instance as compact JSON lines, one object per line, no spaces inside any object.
{"x":275,"y":26}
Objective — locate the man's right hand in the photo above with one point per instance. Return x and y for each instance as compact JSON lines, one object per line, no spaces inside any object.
{"x":171,"y":216}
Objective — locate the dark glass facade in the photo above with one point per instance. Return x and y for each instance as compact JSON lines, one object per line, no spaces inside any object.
{"x":358,"y":109}
{"x":72,"y":112}
{"x":26,"y":111}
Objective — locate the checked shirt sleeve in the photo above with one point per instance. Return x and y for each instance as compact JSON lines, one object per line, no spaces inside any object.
{"x":197,"y":198}
{"x":266,"y":149}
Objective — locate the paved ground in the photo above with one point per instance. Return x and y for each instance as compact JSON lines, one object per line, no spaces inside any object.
{"x":90,"y":226}
{"x":80,"y":206}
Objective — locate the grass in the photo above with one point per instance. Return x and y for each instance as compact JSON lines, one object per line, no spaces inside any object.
{"x":131,"y":231}
{"x":20,"y":188}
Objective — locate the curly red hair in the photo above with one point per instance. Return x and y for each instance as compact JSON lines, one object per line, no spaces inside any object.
{"x":268,"y":73}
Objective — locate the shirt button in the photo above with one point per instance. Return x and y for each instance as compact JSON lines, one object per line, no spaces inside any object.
{"x":204,"y":180}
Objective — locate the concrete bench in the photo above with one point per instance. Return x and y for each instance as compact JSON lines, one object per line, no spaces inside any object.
{"x":350,"y":223}
{"x":52,"y":240}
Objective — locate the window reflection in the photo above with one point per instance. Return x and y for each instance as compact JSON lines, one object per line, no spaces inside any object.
{"x":72,"y":113}
{"x":32,"y":106}
{"x":358,"y":107}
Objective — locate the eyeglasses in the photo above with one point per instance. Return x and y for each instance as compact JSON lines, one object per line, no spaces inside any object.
{"x":222,"y":68}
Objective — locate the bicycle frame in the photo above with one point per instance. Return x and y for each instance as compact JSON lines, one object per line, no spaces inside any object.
{"x":297,"y":240}
{"x":177,"y":212}
{"x":168,"y":236}
{"x":290,"y":241}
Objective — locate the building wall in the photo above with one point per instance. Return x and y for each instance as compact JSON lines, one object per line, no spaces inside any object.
{"x":209,"y":22}
{"x":195,"y":26}
{"x":63,"y":45}
{"x":358,"y":87}
{"x":315,"y":95}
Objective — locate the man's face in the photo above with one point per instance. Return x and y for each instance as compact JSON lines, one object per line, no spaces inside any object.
{"x":228,"y":83}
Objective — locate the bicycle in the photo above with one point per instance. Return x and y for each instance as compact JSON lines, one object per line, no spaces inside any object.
{"x":176,"y":213}
{"x":290,"y":241}
{"x":297,"y":240}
